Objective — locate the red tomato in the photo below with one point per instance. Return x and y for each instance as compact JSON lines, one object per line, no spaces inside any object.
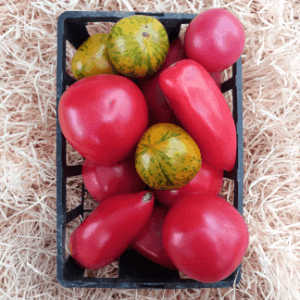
{"x":215,"y":39}
{"x":176,"y":53}
{"x":205,"y":237}
{"x":201,"y":108}
{"x":103,"y":182}
{"x":149,"y":242}
{"x":207,"y":180}
{"x":103,"y":117}
{"x":106,"y":233}
{"x":159,"y":108}
{"x":217,"y":77}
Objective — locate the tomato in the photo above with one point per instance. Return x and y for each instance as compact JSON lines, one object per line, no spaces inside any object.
{"x":103,"y":182}
{"x":166,"y":157}
{"x":176,"y":53}
{"x":201,"y":108}
{"x":91,"y":58}
{"x":205,"y":237}
{"x":217,"y":77}
{"x":148,"y":241}
{"x":159,"y":108}
{"x":103,"y":117}
{"x":207,"y":180}
{"x":106,"y":233}
{"x":215,"y":39}
{"x":138,"y":45}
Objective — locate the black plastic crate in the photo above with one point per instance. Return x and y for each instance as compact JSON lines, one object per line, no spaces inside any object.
{"x":135,"y":271}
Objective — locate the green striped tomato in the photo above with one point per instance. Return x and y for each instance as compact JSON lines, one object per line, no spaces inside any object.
{"x":138,"y":45}
{"x":167,"y":157}
{"x":91,"y":58}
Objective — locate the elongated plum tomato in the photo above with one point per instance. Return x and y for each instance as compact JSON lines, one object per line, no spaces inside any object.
{"x":201,"y":108}
{"x":207,"y":180}
{"x":148,"y":241}
{"x":106,"y":233}
{"x":103,"y":117}
{"x":205,"y":237}
{"x":103,"y":182}
{"x":215,"y":39}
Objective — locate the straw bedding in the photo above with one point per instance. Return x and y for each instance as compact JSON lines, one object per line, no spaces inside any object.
{"x":271,"y":84}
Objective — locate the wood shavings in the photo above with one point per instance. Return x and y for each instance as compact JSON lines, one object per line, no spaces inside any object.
{"x":271,"y":97}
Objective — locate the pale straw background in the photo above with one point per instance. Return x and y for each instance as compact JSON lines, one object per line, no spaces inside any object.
{"x":271,"y":84}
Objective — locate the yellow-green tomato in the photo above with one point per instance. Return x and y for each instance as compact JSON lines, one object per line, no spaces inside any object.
{"x":92,"y":58}
{"x":167,"y":157}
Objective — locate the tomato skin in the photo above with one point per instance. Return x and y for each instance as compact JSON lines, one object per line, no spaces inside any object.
{"x":106,"y":233}
{"x":103,"y":117}
{"x":103,"y":182}
{"x":207,"y":180}
{"x":201,"y":108}
{"x":217,"y":77}
{"x":159,"y":108}
{"x":149,"y":242}
{"x":176,"y":53}
{"x":215,"y":39}
{"x":205,"y":237}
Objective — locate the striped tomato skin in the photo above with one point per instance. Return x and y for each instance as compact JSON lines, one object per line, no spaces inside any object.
{"x":167,"y":157}
{"x":138,"y":45}
{"x":91,"y":58}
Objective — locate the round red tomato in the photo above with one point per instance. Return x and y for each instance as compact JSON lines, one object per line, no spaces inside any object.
{"x":149,"y":241}
{"x":205,"y":237}
{"x":215,"y":39}
{"x":207,"y":180}
{"x":103,"y":117}
{"x":103,"y":182}
{"x":159,"y":108}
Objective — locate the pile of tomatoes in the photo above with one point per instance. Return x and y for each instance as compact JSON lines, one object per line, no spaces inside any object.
{"x":103,"y":117}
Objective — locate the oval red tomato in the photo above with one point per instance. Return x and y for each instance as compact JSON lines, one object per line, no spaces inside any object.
{"x":148,"y":241}
{"x":103,"y":182}
{"x":207,"y":180}
{"x":205,"y":237}
{"x":106,"y":233}
{"x":159,"y":108}
{"x":215,"y":39}
{"x":103,"y":117}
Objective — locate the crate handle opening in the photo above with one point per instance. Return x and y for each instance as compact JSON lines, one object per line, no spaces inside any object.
{"x":147,"y":286}
{"x":150,"y":14}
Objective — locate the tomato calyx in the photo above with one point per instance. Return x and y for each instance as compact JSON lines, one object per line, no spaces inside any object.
{"x":147,"y":197}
